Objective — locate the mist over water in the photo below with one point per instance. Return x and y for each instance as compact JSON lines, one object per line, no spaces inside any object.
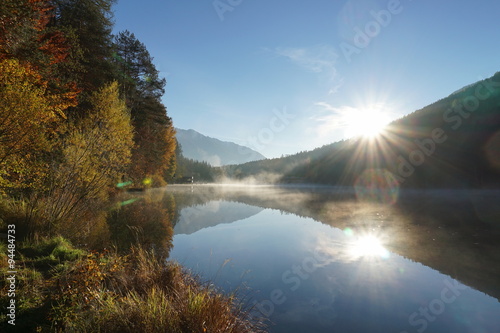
{"x":320,"y":259}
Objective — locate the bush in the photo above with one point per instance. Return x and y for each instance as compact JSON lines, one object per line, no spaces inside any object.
{"x":17,"y":212}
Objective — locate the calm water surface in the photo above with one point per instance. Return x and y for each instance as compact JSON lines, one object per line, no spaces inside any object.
{"x":312,"y":262}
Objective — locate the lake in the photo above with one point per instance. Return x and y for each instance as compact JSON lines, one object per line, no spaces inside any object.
{"x":319,"y":259}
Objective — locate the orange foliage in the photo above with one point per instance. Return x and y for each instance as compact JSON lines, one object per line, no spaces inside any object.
{"x":26,"y":36}
{"x":155,"y":146}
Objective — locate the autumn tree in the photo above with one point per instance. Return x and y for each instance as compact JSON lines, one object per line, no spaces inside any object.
{"x":154,"y":150}
{"x":68,"y":130}
{"x":26,"y":35}
{"x":29,"y":120}
{"x":95,"y":155}
{"x":88,"y":25}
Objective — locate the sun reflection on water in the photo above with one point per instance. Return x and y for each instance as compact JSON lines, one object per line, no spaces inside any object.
{"x":368,"y":246}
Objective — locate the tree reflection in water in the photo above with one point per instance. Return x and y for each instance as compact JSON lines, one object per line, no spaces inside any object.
{"x":146,"y":220}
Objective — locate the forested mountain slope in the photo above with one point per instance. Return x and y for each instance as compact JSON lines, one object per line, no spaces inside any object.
{"x":454,"y":142}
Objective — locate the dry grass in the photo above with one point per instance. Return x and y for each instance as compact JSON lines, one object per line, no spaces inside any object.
{"x":63,"y":289}
{"x":140,"y":293}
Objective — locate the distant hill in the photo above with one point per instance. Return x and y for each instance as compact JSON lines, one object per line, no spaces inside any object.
{"x":452,"y":143}
{"x":199,"y":147}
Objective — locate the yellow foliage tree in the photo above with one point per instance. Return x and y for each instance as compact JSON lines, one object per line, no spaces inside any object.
{"x":96,"y":153}
{"x":29,"y":117}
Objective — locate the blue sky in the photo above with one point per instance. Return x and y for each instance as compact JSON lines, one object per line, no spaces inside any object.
{"x":283,"y":76}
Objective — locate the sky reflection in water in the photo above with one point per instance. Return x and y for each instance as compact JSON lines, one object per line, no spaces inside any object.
{"x":309,"y":277}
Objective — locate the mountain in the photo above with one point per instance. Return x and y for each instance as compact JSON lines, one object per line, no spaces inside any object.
{"x":211,"y":214}
{"x":199,"y":147}
{"x":452,"y":143}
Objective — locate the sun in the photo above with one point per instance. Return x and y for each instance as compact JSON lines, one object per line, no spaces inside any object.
{"x":367,"y":123}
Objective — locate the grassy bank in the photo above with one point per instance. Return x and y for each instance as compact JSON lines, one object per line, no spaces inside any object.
{"x":63,"y":289}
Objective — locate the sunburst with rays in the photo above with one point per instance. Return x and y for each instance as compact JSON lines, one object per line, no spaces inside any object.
{"x":366,"y":122}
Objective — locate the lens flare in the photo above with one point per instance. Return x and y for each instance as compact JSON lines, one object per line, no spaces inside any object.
{"x":128,"y":202}
{"x":348,"y":232}
{"x":123,"y":184}
{"x":377,"y":185}
{"x":492,"y":150}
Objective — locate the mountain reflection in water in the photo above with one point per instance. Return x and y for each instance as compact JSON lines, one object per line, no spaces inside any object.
{"x":319,"y":260}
